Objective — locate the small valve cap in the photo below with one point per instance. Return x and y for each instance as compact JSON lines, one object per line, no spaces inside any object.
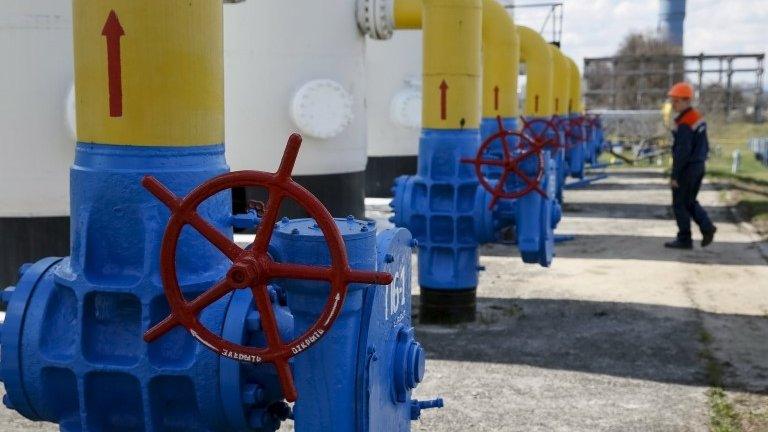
{"x":417,"y":360}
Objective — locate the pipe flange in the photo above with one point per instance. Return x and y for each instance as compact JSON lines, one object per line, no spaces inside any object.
{"x":405,"y":108}
{"x":376,"y":18}
{"x":322,"y":109}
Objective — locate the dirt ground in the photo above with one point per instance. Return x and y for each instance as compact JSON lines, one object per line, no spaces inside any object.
{"x":618,"y":335}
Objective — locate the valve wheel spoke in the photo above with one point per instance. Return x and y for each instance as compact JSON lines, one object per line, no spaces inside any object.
{"x":267,"y":225}
{"x":193,"y":308}
{"x":271,"y":333}
{"x":489,"y":162}
{"x":297,"y":271}
{"x":369,"y":277}
{"x":222,"y":242}
{"x":191,"y":217}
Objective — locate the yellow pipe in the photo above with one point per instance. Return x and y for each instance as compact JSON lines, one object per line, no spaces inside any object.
{"x":535,"y":53}
{"x":151,"y":74}
{"x":500,"y":53}
{"x":561,"y":81}
{"x":501,"y":58}
{"x":452,"y":64}
{"x":575,"y":104}
{"x":408,"y":14}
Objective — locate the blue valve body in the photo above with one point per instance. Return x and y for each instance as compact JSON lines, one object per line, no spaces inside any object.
{"x":449,"y":213}
{"x":72,"y":348}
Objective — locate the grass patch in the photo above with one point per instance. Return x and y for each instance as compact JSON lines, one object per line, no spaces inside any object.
{"x":722,"y":417}
{"x":712,"y":368}
{"x":724,"y":139}
{"x":750,"y":201}
{"x":722,"y":414}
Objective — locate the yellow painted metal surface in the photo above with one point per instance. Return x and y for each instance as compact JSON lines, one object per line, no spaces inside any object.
{"x":408,"y":14}
{"x":452,"y":64}
{"x":151,"y":74}
{"x":535,"y":53}
{"x":501,"y":58}
{"x":575,"y":101}
{"x":561,"y":81}
{"x":666,"y":114}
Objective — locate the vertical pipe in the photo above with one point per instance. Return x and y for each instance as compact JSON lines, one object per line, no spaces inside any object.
{"x":539,"y":67}
{"x":561,"y":82}
{"x":501,"y":58}
{"x":162,"y":90}
{"x":575,"y":103}
{"x":452,"y":64}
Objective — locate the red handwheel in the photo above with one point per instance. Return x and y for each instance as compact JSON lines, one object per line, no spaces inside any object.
{"x":254,"y":268}
{"x":509,"y":164}
{"x":546,"y":136}
{"x":574,"y":132}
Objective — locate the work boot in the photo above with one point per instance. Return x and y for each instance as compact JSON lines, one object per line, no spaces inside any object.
{"x":678,"y":244}
{"x":708,"y":237}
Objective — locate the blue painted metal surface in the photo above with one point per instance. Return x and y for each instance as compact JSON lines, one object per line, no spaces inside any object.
{"x":557,"y":155}
{"x":448,"y":213}
{"x":586,"y":181}
{"x":575,"y":154}
{"x":360,"y":376}
{"x":438,"y":206}
{"x":80,"y":360}
{"x":532,"y":216}
{"x":72,"y":348}
{"x":592,"y":148}
{"x":595,"y":142}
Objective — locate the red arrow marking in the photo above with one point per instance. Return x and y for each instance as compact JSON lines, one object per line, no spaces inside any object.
{"x":113,"y":32}
{"x":443,"y":100}
{"x":536,"y":104}
{"x":496,"y":98}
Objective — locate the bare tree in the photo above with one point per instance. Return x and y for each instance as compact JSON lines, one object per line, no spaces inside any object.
{"x":642,"y":66}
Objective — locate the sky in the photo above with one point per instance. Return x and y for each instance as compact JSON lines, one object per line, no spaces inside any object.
{"x":595,"y":28}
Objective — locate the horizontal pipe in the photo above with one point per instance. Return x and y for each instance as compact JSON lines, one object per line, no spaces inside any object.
{"x":408,"y":14}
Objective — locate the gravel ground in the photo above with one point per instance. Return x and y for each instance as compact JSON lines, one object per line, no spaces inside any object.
{"x":610,"y":337}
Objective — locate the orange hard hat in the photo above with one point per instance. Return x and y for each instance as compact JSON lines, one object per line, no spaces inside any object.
{"x":681,"y":90}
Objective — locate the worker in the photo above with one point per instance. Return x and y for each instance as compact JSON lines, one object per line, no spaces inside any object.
{"x":689,"y":154}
